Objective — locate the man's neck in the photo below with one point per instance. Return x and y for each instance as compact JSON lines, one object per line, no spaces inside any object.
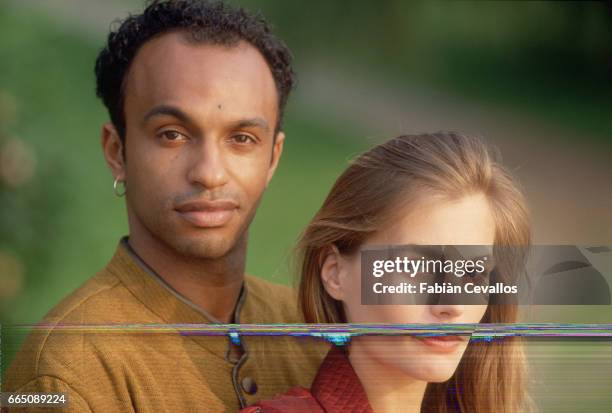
{"x":213,"y":285}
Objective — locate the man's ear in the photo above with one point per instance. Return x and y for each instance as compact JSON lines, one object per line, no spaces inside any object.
{"x":277,"y":151}
{"x":112,"y":146}
{"x":331,"y":273}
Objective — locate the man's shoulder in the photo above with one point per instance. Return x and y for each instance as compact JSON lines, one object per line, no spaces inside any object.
{"x":275,"y":303}
{"x":102,"y":299}
{"x":60,"y":345}
{"x":259,"y":285}
{"x":98,"y":286}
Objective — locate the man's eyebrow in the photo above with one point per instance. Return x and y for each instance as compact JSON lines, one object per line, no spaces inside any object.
{"x":183,"y":117}
{"x":167,"y":110}
{"x":253,"y":122}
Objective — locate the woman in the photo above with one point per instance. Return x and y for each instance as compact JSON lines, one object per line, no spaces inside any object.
{"x":430,"y":189}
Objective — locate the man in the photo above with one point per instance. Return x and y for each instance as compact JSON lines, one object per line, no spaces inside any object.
{"x":196,"y":93}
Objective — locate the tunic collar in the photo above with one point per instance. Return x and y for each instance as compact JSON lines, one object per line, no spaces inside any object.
{"x":337,"y":387}
{"x":164,"y":301}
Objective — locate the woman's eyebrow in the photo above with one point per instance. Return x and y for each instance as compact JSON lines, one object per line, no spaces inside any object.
{"x":426,"y":250}
{"x":472,"y":251}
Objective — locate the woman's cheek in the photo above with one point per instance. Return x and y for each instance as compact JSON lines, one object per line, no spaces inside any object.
{"x":480,"y":312}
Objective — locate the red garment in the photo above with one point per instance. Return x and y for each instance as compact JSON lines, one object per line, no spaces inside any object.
{"x":335,"y":389}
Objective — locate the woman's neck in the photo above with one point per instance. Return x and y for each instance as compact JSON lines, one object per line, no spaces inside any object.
{"x":389,"y":390}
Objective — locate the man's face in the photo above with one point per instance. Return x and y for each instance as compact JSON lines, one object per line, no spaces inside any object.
{"x":199,"y":145}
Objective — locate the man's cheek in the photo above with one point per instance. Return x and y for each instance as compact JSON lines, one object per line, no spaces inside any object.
{"x":156,"y":175}
{"x":253,"y":182}
{"x":150,"y":190}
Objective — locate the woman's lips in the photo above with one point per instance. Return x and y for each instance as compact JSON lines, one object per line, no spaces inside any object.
{"x":442,"y":344}
{"x":207,"y":214}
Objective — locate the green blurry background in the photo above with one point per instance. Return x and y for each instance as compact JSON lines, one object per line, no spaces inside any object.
{"x":534,"y":78}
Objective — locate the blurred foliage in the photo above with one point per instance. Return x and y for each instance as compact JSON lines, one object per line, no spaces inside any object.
{"x":552,"y":59}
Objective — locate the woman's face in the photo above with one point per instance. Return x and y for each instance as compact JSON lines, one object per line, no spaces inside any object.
{"x":466,"y":221}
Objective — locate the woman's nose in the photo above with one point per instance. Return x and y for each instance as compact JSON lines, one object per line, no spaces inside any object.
{"x":446,"y":312}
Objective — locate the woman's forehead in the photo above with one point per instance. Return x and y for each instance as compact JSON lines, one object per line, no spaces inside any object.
{"x":464,"y":221}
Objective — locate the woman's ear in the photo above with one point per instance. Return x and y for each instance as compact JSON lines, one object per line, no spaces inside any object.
{"x":331,"y":273}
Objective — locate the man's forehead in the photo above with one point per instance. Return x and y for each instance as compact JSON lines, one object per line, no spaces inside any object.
{"x":172,"y":68}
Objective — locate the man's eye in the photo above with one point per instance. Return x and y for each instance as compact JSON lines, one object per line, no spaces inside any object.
{"x":243,"y":139}
{"x":172,"y":135}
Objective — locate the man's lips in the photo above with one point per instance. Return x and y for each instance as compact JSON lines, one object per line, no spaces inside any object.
{"x":207,"y":214}
{"x":442,"y":344}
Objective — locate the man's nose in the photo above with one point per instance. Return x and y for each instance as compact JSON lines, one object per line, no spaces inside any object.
{"x":207,"y":167}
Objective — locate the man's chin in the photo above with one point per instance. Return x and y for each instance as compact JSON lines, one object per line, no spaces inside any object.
{"x":198,"y":243}
{"x":204,"y":247}
{"x":202,"y":244}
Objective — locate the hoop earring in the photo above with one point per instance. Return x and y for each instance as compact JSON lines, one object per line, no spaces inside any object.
{"x":115,"y":185}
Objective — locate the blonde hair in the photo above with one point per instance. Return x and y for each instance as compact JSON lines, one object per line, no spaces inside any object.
{"x":490,"y":376}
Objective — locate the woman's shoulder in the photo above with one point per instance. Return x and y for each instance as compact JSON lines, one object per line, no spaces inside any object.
{"x":296,"y":400}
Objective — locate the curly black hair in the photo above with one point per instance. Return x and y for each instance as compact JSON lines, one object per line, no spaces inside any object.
{"x":211,"y":22}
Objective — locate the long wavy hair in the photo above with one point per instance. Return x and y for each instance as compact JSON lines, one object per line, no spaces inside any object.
{"x":491,"y":375}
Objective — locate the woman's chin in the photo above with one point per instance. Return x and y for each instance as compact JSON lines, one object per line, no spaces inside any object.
{"x":412,"y":358}
{"x":428,"y":370}
{"x":433,"y":375}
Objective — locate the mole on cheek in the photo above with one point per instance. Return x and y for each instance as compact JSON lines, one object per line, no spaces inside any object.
{"x":219,"y":106}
